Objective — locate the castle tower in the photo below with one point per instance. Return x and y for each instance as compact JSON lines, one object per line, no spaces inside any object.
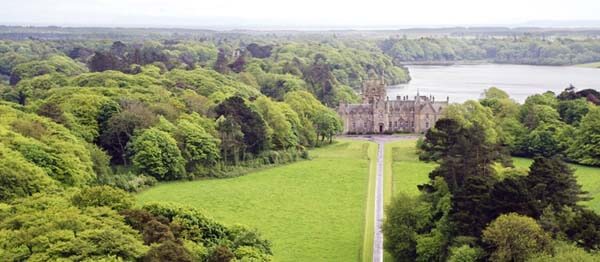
{"x":373,"y":90}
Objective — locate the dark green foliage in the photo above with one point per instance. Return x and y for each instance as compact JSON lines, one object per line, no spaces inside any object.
{"x":221,"y":254}
{"x":438,"y":140}
{"x":168,"y":251}
{"x":120,"y":127}
{"x":513,"y":50}
{"x":572,"y":111}
{"x":552,"y":183}
{"x":250,"y":122}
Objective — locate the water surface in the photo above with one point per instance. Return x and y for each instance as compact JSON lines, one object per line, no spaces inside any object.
{"x":464,"y":82}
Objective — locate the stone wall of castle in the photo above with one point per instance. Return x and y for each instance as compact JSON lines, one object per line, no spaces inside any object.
{"x":378,"y":114}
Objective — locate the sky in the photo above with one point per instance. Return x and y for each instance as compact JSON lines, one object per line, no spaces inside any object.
{"x":297,"y":13}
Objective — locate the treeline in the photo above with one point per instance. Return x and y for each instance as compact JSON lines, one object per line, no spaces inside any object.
{"x":548,"y":124}
{"x":477,"y":207}
{"x":517,"y":50}
{"x":330,"y":68}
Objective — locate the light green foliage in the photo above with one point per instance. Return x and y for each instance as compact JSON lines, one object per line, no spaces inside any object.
{"x":405,"y":217}
{"x":539,"y":108}
{"x":324,"y":122}
{"x":102,"y":196}
{"x":20,"y":177}
{"x":465,"y":253}
{"x":565,"y":252}
{"x":350,"y":61}
{"x":114,"y":79}
{"x":586,"y":147}
{"x":49,"y":227}
{"x":279,"y":128}
{"x":156,"y":153}
{"x":46,"y":145}
{"x":307,"y":191}
{"x":208,"y":82}
{"x":473,"y":113}
{"x":53,"y":64}
{"x":515,"y":238}
{"x":198,"y":147}
{"x":81,"y":112}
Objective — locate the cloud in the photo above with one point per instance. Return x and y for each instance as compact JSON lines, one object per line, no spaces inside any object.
{"x":300,"y":12}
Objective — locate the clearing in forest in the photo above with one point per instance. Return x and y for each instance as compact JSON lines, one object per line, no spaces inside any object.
{"x":313,"y":210}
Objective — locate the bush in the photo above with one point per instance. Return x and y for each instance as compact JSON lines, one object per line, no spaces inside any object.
{"x":515,"y":238}
{"x":103,"y":196}
{"x":465,"y":253}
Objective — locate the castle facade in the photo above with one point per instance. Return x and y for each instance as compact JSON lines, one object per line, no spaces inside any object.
{"x":378,"y":114}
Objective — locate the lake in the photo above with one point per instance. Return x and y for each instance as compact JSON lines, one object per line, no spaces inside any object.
{"x":464,"y":82}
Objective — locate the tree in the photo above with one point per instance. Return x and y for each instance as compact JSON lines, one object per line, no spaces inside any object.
{"x":156,"y":153}
{"x":515,"y":238}
{"x":405,"y":218}
{"x":120,"y":128}
{"x":20,"y":177}
{"x":251,"y":123}
{"x":280,"y":129}
{"x":552,"y":183}
{"x":572,"y":111}
{"x":198,"y":147}
{"x":586,"y":147}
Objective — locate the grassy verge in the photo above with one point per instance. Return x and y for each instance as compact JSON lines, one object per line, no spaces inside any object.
{"x":310,"y":210}
{"x":407,"y":171}
{"x":369,"y":227}
{"x":590,"y":65}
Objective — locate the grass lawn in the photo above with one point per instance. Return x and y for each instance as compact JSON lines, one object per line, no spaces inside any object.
{"x":407,"y":170}
{"x":311,"y":210}
{"x":592,"y":65}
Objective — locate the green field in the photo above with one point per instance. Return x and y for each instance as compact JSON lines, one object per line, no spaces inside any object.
{"x":591,"y":65}
{"x":311,"y":210}
{"x":408,"y":172}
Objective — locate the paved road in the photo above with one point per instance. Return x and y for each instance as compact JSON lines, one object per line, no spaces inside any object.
{"x":378,"y":237}
{"x":380,"y":140}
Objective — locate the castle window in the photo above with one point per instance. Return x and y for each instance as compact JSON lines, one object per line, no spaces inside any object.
{"x":426,"y":124}
{"x":426,"y":115}
{"x":353,"y":125}
{"x":365,"y":124}
{"x":390,"y":124}
{"x":395,"y":124}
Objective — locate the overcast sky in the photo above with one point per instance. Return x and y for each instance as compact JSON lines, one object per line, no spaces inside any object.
{"x":297,"y":13}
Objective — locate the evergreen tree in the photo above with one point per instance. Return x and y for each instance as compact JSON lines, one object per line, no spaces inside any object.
{"x":552,"y":183}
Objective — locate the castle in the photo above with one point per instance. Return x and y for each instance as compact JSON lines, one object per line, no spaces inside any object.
{"x":378,"y":114}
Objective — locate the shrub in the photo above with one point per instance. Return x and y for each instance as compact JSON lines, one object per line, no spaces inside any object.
{"x":515,"y":238}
